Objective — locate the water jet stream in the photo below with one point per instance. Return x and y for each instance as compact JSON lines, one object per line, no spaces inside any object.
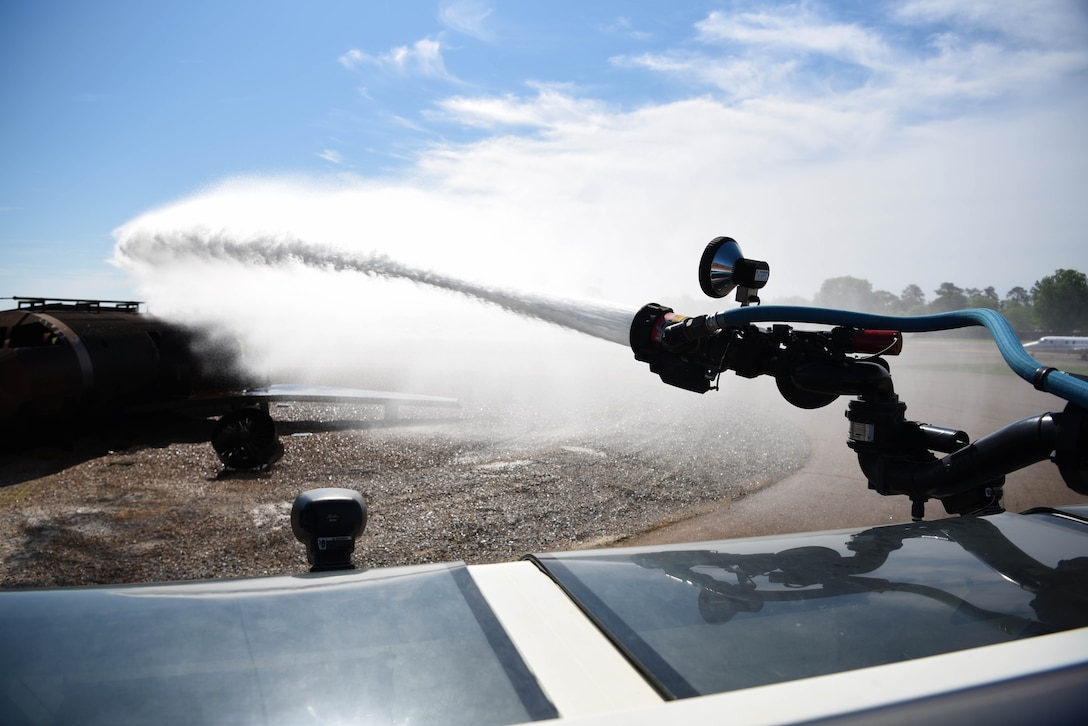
{"x":601,"y":320}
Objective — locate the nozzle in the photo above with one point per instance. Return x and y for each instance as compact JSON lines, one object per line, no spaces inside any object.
{"x":647,"y":326}
{"x":651,"y":329}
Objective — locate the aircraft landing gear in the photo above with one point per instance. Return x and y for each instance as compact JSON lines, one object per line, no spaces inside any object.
{"x":246,"y":439}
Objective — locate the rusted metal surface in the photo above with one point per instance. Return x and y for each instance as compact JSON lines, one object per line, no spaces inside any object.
{"x":64,"y":359}
{"x":69,"y":366}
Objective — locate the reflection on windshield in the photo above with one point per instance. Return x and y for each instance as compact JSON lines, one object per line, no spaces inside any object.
{"x":705,"y":621}
{"x":420,"y":647}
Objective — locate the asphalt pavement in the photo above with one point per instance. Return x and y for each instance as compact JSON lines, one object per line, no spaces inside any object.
{"x":949,"y":383}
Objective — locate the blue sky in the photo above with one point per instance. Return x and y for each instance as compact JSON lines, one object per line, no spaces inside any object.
{"x":906,"y":143}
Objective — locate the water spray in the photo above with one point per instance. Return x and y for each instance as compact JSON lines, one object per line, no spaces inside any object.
{"x":600,"y":320}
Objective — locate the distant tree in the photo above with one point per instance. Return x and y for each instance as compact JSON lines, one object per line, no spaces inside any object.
{"x":846,"y":293}
{"x":1060,"y":302}
{"x":1016,"y":307}
{"x":983,"y":298}
{"x":887,"y":303}
{"x":796,"y":300}
{"x":1020,"y":316}
{"x":912,"y":299}
{"x":949,"y":297}
{"x":1018,"y":295}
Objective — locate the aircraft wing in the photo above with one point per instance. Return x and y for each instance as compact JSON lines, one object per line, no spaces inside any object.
{"x":332,"y":394}
{"x":245,"y":437}
{"x":219,"y":402}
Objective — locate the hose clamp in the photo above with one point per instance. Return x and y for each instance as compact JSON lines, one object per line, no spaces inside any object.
{"x":1039,"y":379}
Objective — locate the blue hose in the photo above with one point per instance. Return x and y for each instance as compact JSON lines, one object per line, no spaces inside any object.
{"x":1044,"y":378}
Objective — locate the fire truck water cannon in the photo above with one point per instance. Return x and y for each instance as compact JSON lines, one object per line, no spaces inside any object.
{"x":812,"y":368}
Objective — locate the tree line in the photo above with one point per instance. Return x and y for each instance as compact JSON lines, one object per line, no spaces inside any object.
{"x":1056,"y":304}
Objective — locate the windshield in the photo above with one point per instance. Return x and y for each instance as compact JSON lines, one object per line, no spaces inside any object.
{"x":407,"y":645}
{"x":752,"y":612}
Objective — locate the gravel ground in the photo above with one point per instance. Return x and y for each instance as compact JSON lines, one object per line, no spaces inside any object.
{"x":607,"y":455}
{"x":149,"y":502}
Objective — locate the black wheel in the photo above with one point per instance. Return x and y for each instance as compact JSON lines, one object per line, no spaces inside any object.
{"x":246,"y":439}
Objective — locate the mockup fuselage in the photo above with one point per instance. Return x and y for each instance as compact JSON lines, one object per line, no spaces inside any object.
{"x":1060,"y":344}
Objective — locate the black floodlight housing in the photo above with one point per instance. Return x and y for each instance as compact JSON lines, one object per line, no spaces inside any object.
{"x":723,"y":268}
{"x":328,"y":521}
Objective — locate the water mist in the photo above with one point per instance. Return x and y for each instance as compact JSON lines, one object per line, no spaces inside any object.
{"x":601,"y":320}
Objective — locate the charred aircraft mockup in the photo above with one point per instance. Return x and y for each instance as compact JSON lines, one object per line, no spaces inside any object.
{"x":65,"y":361}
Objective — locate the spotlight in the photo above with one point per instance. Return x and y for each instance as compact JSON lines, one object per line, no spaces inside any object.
{"x":723,"y":268}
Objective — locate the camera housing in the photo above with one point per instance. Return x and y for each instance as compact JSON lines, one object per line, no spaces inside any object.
{"x":328,"y":521}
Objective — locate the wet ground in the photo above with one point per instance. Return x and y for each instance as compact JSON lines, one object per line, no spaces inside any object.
{"x":536,"y":459}
{"x":510,"y":472}
{"x":960,"y":384}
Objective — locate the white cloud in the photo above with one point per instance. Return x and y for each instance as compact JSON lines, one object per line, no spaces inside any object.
{"x":551,"y":108}
{"x":967,"y":54}
{"x":875,"y":180}
{"x":1056,"y":23}
{"x":467,"y":17}
{"x":797,"y":30}
{"x":424,"y":58}
{"x":625,"y":26}
{"x":618,"y":205}
{"x":773,"y":53}
{"x":739,"y":78}
{"x":331,"y":155}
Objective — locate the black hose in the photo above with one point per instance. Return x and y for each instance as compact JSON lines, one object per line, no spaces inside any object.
{"x":1013,"y":447}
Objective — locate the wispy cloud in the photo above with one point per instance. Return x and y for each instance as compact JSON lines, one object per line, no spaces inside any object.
{"x":796,"y":31}
{"x":552,"y":107}
{"x":423,"y":58}
{"x":331,"y":155}
{"x":778,"y":52}
{"x":467,"y":17}
{"x":934,"y":54}
{"x":625,"y":26}
{"x":1058,"y":23}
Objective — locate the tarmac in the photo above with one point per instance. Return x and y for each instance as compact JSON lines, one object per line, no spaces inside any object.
{"x":611,"y":458}
{"x":951,"y":384}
